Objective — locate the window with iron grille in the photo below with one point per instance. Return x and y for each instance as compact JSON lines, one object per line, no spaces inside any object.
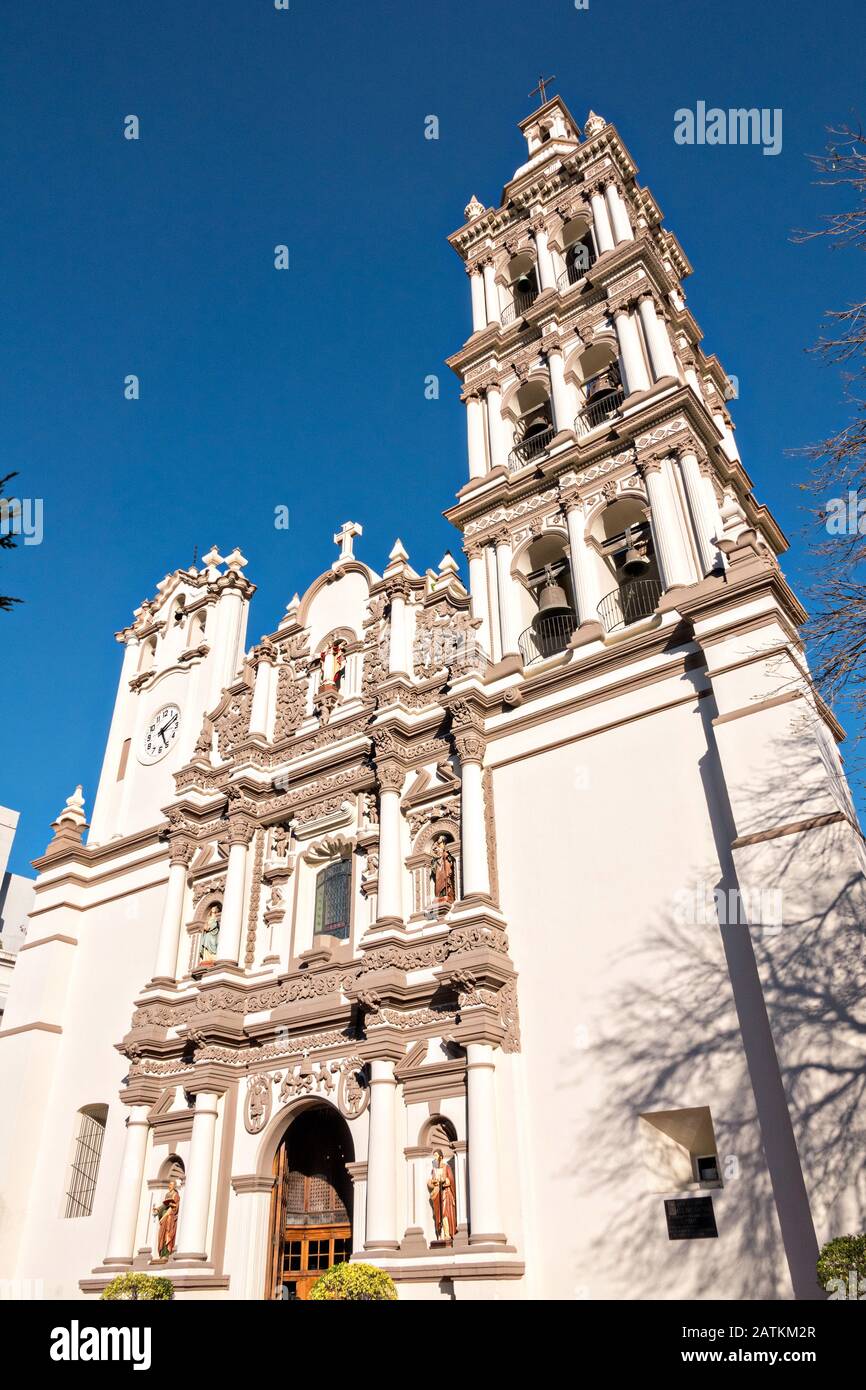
{"x":84,"y":1170}
{"x":333,"y":897}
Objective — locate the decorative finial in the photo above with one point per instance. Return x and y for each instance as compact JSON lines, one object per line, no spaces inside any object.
{"x":399,"y":553}
{"x":448,"y":565}
{"x":345,"y":539}
{"x":473,"y":209}
{"x":593,"y":124}
{"x":70,"y":825}
{"x":236,"y":561}
{"x":211,"y":561}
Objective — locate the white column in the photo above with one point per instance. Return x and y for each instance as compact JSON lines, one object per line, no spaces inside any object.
{"x":493,"y":601}
{"x":496,"y":427}
{"x":636,"y":376}
{"x":703,"y":522}
{"x":382,"y":1157}
{"x":172,"y":912}
{"x":462,"y":1205}
{"x":390,"y":877}
{"x":711,"y":507}
{"x":397,"y":644}
{"x":670,"y":548}
{"x":491,"y":293}
{"x":485,"y":1216}
{"x":479,"y":310}
{"x":121,"y":1237}
{"x":657,"y":340}
{"x":479,"y":595}
{"x":195,"y":1202}
{"x":618,"y":214}
{"x":563,"y":411}
{"x":475,"y":429}
{"x":261,"y":692}
{"x":583,"y":571}
{"x":601,"y":222}
{"x":546,"y":276}
{"x":729,"y":445}
{"x":231,"y":924}
{"x":358,"y":1173}
{"x":474,"y":872}
{"x":505,"y":585}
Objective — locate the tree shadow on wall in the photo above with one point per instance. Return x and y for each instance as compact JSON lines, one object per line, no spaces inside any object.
{"x":773,"y":1020}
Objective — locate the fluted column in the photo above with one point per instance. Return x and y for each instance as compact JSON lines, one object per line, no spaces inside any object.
{"x":391,"y":777}
{"x":397,"y":646}
{"x":634,"y":367}
{"x":729,"y":444}
{"x":493,"y":600}
{"x":264,"y":657}
{"x":479,"y":594}
{"x":563,"y":409}
{"x":703,"y":522}
{"x":618,"y":214}
{"x":601,"y":221}
{"x":475,"y":872}
{"x":231,"y":923}
{"x":583,"y":571}
{"x":479,"y":308}
{"x":181,"y":851}
{"x":121,"y":1237}
{"x":671,"y":553}
{"x":485,"y":1212}
{"x":496,"y":427}
{"x":505,"y":586}
{"x":382,"y":1157}
{"x":657,"y":340}
{"x":475,"y":430}
{"x":546,"y":276}
{"x":491,"y":293}
{"x":195,"y":1202}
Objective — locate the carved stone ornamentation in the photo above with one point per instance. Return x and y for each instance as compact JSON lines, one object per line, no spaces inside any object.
{"x":232,"y":720}
{"x":257,"y":1109}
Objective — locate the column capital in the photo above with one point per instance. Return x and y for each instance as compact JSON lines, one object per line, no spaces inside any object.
{"x":538,"y":223}
{"x":264,"y":651}
{"x":571,"y":499}
{"x":471,"y":745}
{"x":473,"y":267}
{"x":501,"y":537}
{"x":475,"y":392}
{"x":653,"y":464}
{"x":181,"y":849}
{"x":390,"y":776}
{"x":241,"y":829}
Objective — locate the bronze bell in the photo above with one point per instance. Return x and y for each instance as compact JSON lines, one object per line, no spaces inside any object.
{"x":636,"y":562}
{"x":552,"y":599}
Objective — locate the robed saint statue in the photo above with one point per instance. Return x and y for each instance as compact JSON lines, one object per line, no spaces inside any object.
{"x":166,"y":1234}
{"x":440,"y":1185}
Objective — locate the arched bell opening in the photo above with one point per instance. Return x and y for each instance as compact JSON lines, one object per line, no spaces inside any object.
{"x":311,"y":1224}
{"x":533,"y":427}
{"x":547,"y":598}
{"x":623,"y":538}
{"x":521,"y":285}
{"x":601,"y":384}
{"x":579,"y":251}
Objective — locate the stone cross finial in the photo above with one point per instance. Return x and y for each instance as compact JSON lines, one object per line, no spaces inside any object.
{"x":236,"y":561}
{"x":211,"y":561}
{"x":345,"y":538}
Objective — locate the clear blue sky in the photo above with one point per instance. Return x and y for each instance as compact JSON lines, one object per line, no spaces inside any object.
{"x":306,"y":388}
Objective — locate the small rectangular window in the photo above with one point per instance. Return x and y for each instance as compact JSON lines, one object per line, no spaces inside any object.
{"x":124,"y":759}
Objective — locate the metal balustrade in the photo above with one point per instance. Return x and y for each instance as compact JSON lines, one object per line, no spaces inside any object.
{"x":575,"y":271}
{"x":636,"y":599}
{"x":546,"y":637}
{"x":599,"y":412}
{"x":530,"y":448}
{"x":518,"y":306}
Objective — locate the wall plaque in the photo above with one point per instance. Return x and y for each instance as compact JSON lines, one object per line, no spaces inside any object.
{"x":690,"y":1218}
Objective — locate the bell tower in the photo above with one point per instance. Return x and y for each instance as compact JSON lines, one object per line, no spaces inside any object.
{"x":183,"y":647}
{"x":603,"y":472}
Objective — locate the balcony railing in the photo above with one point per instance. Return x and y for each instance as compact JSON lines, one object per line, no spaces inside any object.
{"x":530,"y":448}
{"x":599,"y":412}
{"x":546,"y":637}
{"x":518,"y":306}
{"x":636,"y":599}
{"x":575,"y":272}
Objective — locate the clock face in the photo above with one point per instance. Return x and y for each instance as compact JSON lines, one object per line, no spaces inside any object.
{"x":160,"y":734}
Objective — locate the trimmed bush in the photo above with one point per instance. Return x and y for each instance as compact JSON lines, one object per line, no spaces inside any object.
{"x":364,"y":1283}
{"x":842,"y":1267}
{"x":150,"y":1287}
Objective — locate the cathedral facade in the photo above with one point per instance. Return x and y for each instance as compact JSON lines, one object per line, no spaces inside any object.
{"x":508,"y":938}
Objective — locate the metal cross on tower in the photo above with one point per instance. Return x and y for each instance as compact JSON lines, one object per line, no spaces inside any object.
{"x":540,"y":89}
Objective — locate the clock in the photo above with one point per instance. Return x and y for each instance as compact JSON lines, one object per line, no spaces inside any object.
{"x":160,"y":734}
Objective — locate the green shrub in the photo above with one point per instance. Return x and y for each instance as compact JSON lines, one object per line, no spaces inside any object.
{"x":151,"y":1287}
{"x":354,"y":1281}
{"x":839,"y":1260}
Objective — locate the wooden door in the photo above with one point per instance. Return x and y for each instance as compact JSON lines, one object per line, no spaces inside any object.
{"x":312,"y":1202}
{"x":307,"y":1251}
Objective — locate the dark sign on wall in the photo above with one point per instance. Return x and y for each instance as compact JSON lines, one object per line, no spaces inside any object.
{"x":690,"y":1218}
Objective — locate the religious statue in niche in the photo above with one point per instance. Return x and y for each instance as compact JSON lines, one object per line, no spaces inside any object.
{"x":166,"y":1235}
{"x":207,"y":952}
{"x":442,"y":872}
{"x":440,"y":1185}
{"x":332,"y":661}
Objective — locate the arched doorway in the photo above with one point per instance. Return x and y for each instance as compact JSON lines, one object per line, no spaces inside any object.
{"x":312,"y":1206}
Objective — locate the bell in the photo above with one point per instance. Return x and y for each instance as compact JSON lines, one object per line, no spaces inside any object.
{"x":635,"y":563}
{"x":524,"y":285}
{"x":552,"y":599}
